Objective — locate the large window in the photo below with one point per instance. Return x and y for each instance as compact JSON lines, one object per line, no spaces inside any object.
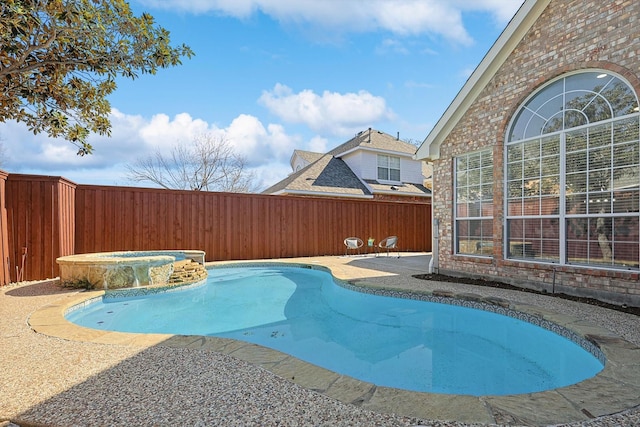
{"x":573,"y":174}
{"x":474,"y":203}
{"x":388,"y":168}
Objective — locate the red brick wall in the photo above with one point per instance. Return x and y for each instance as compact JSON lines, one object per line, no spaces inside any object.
{"x":568,"y":36}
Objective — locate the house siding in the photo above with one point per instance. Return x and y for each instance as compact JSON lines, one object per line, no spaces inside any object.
{"x":355,"y":161}
{"x":299,"y":163}
{"x":568,"y":36}
{"x":411,"y":171}
{"x":370,"y":165}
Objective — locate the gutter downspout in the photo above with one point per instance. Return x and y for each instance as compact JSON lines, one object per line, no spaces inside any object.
{"x":433,"y":262}
{"x":435,"y":232}
{"x":435,"y":227}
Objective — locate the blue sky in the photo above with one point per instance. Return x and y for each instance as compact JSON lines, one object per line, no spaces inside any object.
{"x":271,"y":76}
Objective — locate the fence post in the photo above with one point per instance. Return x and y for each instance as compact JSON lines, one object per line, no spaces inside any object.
{"x":4,"y":233}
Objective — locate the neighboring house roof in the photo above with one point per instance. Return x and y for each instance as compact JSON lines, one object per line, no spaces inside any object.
{"x":329,"y":175}
{"x":404,"y":189}
{"x":515,"y":31}
{"x":374,"y":140}
{"x":307,"y":156}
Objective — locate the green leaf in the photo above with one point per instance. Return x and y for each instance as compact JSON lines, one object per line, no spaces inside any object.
{"x":74,"y":49}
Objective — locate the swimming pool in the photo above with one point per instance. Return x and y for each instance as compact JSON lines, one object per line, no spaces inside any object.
{"x":402,"y":343}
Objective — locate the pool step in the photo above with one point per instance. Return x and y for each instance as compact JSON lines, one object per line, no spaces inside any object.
{"x":187,"y":271}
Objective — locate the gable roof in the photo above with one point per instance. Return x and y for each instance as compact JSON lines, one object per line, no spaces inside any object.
{"x":372,"y":139}
{"x":307,"y":156}
{"x":515,"y":31}
{"x":327,"y":175}
{"x":330,"y":175}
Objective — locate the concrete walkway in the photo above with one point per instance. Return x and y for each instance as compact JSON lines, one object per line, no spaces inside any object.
{"x":67,"y":375}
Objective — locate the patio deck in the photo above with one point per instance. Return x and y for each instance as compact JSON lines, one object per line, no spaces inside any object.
{"x":67,"y":375}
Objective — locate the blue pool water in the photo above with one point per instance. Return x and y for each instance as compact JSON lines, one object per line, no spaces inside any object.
{"x":394,"y":342}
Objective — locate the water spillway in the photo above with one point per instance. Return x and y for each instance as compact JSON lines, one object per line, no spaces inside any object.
{"x":117,"y":270}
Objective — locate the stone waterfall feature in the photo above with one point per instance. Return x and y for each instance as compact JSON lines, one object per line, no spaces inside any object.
{"x":117,"y":270}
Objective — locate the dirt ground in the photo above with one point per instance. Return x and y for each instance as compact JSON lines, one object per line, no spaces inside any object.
{"x":502,"y":285}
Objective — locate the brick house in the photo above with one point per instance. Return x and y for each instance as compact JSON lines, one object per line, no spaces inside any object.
{"x":371,"y":165}
{"x":537,"y":160}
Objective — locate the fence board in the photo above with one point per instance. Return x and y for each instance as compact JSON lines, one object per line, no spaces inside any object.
{"x":4,"y":233}
{"x":49,"y":217}
{"x":238,"y":226}
{"x":40,"y":212}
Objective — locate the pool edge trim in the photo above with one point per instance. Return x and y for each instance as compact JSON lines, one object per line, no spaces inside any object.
{"x":50,"y":320}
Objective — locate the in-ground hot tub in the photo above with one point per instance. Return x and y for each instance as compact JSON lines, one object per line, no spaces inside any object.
{"x":115,"y":270}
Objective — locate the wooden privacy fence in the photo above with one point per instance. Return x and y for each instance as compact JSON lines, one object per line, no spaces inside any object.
{"x":40,"y":224}
{"x":52,"y":217}
{"x":4,"y":235}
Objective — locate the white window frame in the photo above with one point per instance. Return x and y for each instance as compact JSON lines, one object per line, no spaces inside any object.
{"x":384,"y":163}
{"x":588,"y":223}
{"x":473,"y":203}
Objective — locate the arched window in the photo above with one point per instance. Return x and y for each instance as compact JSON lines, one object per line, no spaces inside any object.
{"x":573,"y":174}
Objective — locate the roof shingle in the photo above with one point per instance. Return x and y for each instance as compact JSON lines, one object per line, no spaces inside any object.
{"x":328,"y":174}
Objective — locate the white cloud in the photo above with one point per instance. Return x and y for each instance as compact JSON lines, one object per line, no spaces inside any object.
{"x":281,"y":144}
{"x":401,"y":17}
{"x":502,"y":10}
{"x":331,"y":113}
{"x":415,"y":17}
{"x":271,"y":173}
{"x":257,"y":143}
{"x":392,"y":46}
{"x":266,"y":147}
{"x":163,"y":132}
{"x":23,"y":149}
{"x":235,"y":8}
{"x":318,"y":145}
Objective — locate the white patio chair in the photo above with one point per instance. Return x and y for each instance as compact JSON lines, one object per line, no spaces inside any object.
{"x":352,"y":243}
{"x":389,"y":243}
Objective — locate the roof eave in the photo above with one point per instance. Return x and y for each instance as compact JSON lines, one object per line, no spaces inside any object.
{"x":522,"y":21}
{"x":387,"y":151}
{"x":319,"y":193}
{"x":401,"y":193}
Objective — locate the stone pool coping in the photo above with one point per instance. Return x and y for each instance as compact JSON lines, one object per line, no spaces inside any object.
{"x":129,"y":269}
{"x":615,"y":389}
